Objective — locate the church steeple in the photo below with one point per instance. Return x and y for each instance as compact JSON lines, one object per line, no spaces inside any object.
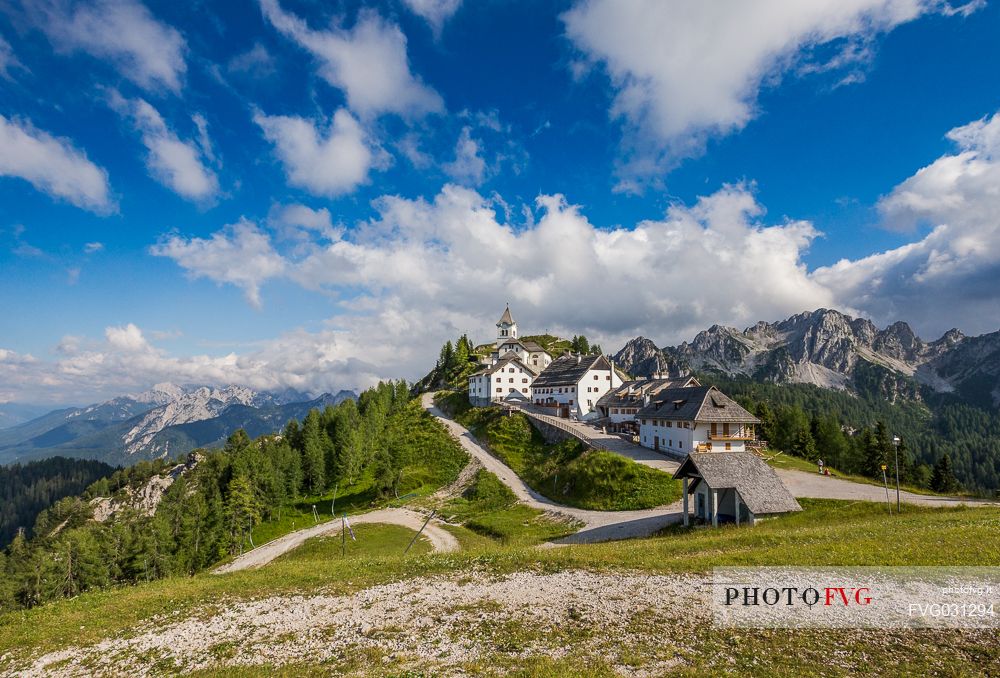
{"x":506,"y":327}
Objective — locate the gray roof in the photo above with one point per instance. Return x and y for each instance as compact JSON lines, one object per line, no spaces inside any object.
{"x":506,"y":318}
{"x":632,"y":393}
{"x":698,"y":403}
{"x":759,"y":486}
{"x":570,"y":369}
{"x":529,"y":346}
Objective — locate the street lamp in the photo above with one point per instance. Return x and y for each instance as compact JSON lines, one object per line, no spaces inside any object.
{"x":895,"y":444}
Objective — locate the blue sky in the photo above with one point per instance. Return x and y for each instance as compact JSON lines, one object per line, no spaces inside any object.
{"x":318,"y":194}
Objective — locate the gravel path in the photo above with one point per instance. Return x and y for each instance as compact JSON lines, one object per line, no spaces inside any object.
{"x":598,"y":525}
{"x":441,"y":540}
{"x":609,"y":441}
{"x":803,"y":484}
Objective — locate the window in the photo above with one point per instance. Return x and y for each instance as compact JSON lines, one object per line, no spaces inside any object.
{"x":596,"y":377}
{"x":614,"y":410}
{"x":499,"y":379}
{"x":524,"y":380}
{"x":644,"y":422}
{"x":671,"y":443}
{"x":608,"y":377}
{"x":571,"y":401}
{"x":680,"y":443}
{"x":524,"y":390}
{"x":499,"y":390}
{"x":511,"y":370}
{"x":511,"y":380}
{"x":670,"y":424}
{"x":729,"y":446}
{"x":590,"y":403}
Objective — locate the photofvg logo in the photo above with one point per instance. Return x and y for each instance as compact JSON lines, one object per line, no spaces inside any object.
{"x":857,"y":597}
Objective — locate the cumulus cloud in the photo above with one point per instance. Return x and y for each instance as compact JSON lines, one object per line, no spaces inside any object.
{"x":127,"y":360}
{"x":368,"y":62}
{"x":468,"y":167}
{"x":950,"y":276}
{"x":178,"y":165}
{"x":423,"y":271}
{"x":326,"y":162}
{"x":434,"y":12}
{"x":241,"y":254}
{"x":53,"y":166}
{"x":124,"y":32}
{"x":683,"y":72}
{"x":93,"y":247}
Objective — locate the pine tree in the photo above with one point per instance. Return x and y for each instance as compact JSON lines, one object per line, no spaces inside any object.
{"x":313,"y":453}
{"x":873,"y":455}
{"x":242,"y":511}
{"x":943,"y":477}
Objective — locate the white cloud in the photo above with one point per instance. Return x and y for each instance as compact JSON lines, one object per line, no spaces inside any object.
{"x":952,"y":275}
{"x":256,"y":61}
{"x":53,"y":166}
{"x":683,"y":72}
{"x":7,"y":59}
{"x":468,"y":167}
{"x":434,"y":12}
{"x":422,"y":272}
{"x":176,"y":164}
{"x":241,"y":255}
{"x":298,"y":221}
{"x":124,"y":32}
{"x":368,"y":62}
{"x":324,"y":162}
{"x":93,"y":247}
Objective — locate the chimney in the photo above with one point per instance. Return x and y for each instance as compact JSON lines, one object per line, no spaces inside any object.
{"x":578,"y":358}
{"x":645,"y":399}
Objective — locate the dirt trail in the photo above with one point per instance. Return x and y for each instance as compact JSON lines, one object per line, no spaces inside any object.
{"x":597,"y":525}
{"x":441,"y":539}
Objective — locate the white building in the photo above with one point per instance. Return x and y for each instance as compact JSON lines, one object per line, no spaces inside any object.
{"x":619,"y":406}
{"x":506,"y":379}
{"x":572,"y":385}
{"x":695,"y":419}
{"x":511,"y":368}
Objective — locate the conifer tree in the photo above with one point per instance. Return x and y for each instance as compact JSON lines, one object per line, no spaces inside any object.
{"x":943,"y":477}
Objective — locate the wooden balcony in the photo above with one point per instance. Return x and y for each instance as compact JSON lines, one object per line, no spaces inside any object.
{"x":730,"y":437}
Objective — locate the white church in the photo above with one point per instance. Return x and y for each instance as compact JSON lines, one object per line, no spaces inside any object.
{"x":524,"y":371}
{"x":511,"y":368}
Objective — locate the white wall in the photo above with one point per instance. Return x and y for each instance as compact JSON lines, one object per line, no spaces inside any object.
{"x":584,"y":394}
{"x":685,"y":440}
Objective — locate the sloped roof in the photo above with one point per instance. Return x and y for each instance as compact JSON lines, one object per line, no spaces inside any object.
{"x":759,"y":486}
{"x":632,"y":393}
{"x":529,"y":346}
{"x":698,"y":403}
{"x":568,"y":370}
{"x":506,"y":359}
{"x":506,"y":318}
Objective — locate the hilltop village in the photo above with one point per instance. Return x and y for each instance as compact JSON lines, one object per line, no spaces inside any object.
{"x":678,"y":417}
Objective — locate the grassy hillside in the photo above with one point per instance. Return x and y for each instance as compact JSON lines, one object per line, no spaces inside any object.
{"x":566,"y":472}
{"x":826,"y":533}
{"x":489,"y":508}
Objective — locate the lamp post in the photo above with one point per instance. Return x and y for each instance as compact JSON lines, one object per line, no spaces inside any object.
{"x":895,"y":445}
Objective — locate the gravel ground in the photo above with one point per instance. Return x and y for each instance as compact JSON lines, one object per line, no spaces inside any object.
{"x":438,"y":623}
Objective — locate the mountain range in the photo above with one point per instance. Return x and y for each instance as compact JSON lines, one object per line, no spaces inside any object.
{"x":165,"y":421}
{"x":833,"y":350}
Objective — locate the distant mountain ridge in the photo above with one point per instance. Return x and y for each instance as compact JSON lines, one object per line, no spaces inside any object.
{"x":833,"y":350}
{"x":165,"y":421}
